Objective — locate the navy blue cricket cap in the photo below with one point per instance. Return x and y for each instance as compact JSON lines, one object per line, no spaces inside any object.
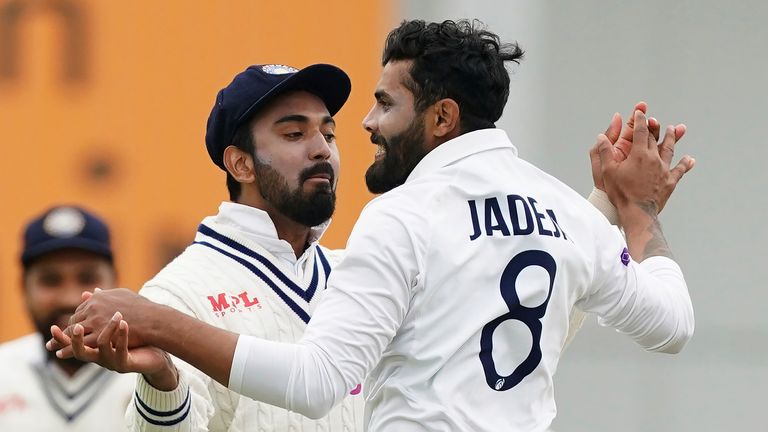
{"x":256,"y":86}
{"x":65,"y":227}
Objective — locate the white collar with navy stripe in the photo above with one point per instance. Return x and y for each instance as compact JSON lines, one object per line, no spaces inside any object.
{"x":460,"y":147}
{"x":256,"y":225}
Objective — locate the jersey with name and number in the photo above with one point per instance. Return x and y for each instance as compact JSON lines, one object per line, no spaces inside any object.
{"x":454,"y":298}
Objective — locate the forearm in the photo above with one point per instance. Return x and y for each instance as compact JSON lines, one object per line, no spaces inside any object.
{"x":643,"y":231}
{"x":208,"y":348}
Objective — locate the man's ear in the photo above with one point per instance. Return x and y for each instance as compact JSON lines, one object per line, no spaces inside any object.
{"x":446,"y":118}
{"x":239,"y":164}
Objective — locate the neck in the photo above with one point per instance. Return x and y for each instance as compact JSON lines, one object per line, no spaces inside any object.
{"x":293,"y":232}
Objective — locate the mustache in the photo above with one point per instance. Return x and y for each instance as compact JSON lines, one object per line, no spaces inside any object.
{"x":379,"y":140}
{"x":55,"y":316}
{"x":318,"y":168}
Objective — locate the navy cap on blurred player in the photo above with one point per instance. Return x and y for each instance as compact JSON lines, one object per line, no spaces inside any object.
{"x":256,"y":86}
{"x":65,"y":227}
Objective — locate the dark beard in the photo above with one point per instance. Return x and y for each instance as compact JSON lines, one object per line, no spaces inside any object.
{"x":310,"y":209}
{"x":403,"y":153}
{"x":43,"y":327}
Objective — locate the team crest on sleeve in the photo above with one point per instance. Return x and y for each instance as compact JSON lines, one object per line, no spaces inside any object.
{"x":278,"y":69}
{"x":625,"y":257}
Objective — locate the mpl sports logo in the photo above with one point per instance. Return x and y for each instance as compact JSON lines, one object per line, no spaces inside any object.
{"x":224,"y":303}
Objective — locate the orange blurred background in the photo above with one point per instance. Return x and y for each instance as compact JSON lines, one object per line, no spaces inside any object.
{"x":104,"y":104}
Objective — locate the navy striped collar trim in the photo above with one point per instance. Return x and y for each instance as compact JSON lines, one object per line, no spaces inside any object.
{"x":304,"y":293}
{"x":54,"y":391}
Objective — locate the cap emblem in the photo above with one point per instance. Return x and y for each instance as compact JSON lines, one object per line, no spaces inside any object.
{"x":64,"y":222}
{"x":278,"y":69}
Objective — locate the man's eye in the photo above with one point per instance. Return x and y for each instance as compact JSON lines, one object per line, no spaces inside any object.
{"x":293,"y":135}
{"x":50,"y":280}
{"x":88,"y":278}
{"x":330,"y":137}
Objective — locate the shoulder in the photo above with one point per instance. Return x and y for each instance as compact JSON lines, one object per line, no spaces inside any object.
{"x":405,"y":203}
{"x":183,"y":279}
{"x":193,"y":266}
{"x":23,"y":349}
{"x":21,"y":344}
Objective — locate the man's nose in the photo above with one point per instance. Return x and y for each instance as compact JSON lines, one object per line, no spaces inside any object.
{"x":321,"y":148}
{"x":369,"y":123}
{"x":71,"y":296}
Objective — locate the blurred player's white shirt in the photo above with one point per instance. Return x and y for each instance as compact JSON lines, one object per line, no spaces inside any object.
{"x":37,"y":396}
{"x":455,"y":294}
{"x":238,"y":275}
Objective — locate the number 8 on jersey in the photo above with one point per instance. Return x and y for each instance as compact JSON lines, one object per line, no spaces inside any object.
{"x":531,"y":317}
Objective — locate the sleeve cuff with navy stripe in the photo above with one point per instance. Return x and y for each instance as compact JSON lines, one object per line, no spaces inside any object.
{"x":162,"y":408}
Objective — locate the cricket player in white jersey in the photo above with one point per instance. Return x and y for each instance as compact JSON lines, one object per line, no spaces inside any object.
{"x":456,"y":289}
{"x":256,"y":267}
{"x":66,"y":252}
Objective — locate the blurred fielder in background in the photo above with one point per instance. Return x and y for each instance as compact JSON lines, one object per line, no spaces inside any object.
{"x":66,"y":252}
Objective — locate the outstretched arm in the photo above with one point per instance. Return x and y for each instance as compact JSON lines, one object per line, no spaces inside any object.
{"x":98,"y":336}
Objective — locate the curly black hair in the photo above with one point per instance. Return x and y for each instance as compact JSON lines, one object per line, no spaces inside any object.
{"x":460,"y":60}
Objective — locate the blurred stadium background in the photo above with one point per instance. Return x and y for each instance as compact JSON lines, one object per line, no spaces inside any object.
{"x":104,"y":103}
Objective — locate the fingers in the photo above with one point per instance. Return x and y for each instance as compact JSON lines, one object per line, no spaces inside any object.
{"x":605,"y":151}
{"x":642,"y":106}
{"x":79,"y":349}
{"x":104,"y":341}
{"x":614,"y":128}
{"x":624,"y":143}
{"x":640,"y":135}
{"x":667,"y":146}
{"x":120,"y":342}
{"x":680,"y":131}
{"x":672,"y":135}
{"x":594,"y":160}
{"x":59,"y":341}
{"x":654,"y":127}
{"x":686,"y":164}
{"x":65,"y":353}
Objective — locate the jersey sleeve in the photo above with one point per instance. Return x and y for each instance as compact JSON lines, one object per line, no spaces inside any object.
{"x":598,"y":199}
{"x":647,"y":301}
{"x":365,"y":303}
{"x":184,"y":409}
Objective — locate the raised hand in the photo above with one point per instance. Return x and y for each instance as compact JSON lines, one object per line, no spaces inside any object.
{"x":644,"y":177}
{"x":621,"y":139}
{"x":640,"y":186}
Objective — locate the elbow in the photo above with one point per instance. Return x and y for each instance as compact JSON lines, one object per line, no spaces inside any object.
{"x":314,"y":410}
{"x":680,"y":338}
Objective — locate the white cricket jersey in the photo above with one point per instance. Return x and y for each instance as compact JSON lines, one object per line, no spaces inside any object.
{"x":38,"y":396}
{"x":454,"y":299}
{"x":238,"y":275}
